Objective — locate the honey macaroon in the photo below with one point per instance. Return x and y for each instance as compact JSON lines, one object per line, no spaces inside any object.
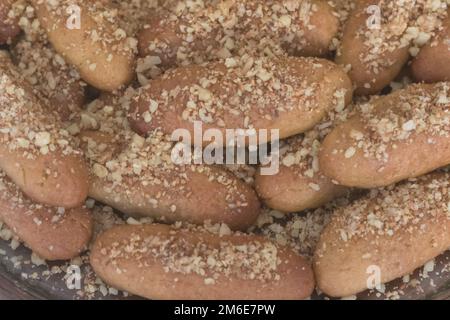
{"x":288,"y":94}
{"x":217,"y":30}
{"x":53,"y":233}
{"x":380,"y":36}
{"x":391,"y":138}
{"x":39,"y":156}
{"x":163,"y":262}
{"x":383,"y":236}
{"x":87,"y":35}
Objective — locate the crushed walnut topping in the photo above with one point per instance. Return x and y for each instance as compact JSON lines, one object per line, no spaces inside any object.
{"x":342,"y":10}
{"x":55,"y":82}
{"x":107,"y":31}
{"x":414,"y":110}
{"x":132,"y":15}
{"x":404,"y":207}
{"x":301,"y":232}
{"x":253,"y":260}
{"x":244,"y":172}
{"x":246,"y":88}
{"x":25,"y":124}
{"x":300,"y":153}
{"x":406,"y":23}
{"x":217,"y":29}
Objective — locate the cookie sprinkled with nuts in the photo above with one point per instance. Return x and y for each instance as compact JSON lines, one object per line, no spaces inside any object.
{"x":415,"y":110}
{"x":206,"y":30}
{"x":402,"y":24}
{"x":400,"y":208}
{"x":252,"y":260}
{"x":25,"y":124}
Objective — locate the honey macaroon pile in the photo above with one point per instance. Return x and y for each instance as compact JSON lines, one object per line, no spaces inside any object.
{"x":91,"y":92}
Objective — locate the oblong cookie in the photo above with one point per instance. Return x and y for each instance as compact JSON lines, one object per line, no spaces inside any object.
{"x":52,"y":233}
{"x":391,"y":138}
{"x":187,"y":34}
{"x":383,"y":236}
{"x":39,"y":156}
{"x":161,"y":262}
{"x":100,"y":50}
{"x":288,"y":94}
